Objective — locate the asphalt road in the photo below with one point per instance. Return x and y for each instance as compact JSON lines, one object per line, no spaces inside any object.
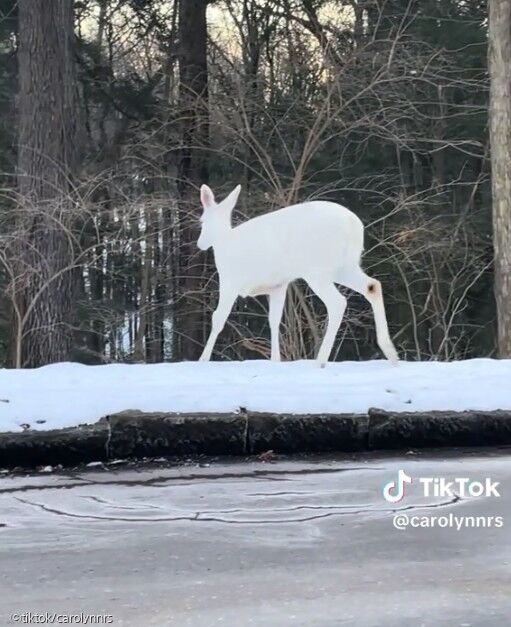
{"x":308,"y":543}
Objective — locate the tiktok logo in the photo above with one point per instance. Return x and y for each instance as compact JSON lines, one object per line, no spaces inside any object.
{"x":394,"y":491}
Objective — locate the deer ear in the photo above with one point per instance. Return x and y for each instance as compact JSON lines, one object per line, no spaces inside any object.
{"x":207,"y":197}
{"x":232,"y":199}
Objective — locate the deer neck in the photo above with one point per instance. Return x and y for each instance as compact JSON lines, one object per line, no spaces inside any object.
{"x":221,"y":234}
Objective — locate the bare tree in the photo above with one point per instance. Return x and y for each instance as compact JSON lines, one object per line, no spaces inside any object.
{"x":192,"y":167}
{"x":47,"y":159}
{"x":500,"y":134}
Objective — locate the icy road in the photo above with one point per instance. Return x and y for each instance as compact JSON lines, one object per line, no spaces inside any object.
{"x":304,"y":543}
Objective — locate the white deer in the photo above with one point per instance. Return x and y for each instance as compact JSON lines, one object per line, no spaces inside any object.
{"x":320,"y":242}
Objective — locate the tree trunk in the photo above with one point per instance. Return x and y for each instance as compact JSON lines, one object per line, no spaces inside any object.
{"x":192,"y":170}
{"x":46,"y":162}
{"x":500,"y":137}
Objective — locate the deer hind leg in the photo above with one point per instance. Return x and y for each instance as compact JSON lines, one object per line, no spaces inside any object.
{"x":277,"y":298}
{"x":218,"y":320}
{"x":371,"y":289}
{"x":335,"y":304}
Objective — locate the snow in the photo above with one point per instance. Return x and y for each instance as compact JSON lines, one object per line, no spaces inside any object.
{"x":68,"y":394}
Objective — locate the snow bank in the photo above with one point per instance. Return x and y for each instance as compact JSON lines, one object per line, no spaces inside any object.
{"x":68,"y":394}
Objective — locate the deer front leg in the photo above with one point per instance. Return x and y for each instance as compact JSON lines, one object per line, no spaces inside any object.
{"x":277,"y":299}
{"x":218,"y":319}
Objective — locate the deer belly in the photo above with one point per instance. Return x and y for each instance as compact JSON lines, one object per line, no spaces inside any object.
{"x":260,"y":289}
{"x":261,"y":283}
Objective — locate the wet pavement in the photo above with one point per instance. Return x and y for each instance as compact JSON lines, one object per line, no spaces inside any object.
{"x":293,"y":542}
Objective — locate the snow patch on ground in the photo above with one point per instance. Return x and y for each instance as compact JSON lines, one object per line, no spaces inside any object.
{"x":68,"y":394}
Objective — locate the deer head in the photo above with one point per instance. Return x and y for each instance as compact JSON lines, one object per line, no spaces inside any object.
{"x":216,"y":217}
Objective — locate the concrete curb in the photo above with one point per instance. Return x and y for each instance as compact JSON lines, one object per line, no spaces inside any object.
{"x":438,"y":428}
{"x":61,"y":446}
{"x":137,"y":434}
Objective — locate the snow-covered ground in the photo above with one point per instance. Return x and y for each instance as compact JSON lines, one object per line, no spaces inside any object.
{"x":69,"y":394}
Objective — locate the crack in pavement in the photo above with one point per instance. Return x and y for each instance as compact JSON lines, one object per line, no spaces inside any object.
{"x":98,"y":499}
{"x":286,"y":493}
{"x":272,"y":475}
{"x":200,"y":517}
